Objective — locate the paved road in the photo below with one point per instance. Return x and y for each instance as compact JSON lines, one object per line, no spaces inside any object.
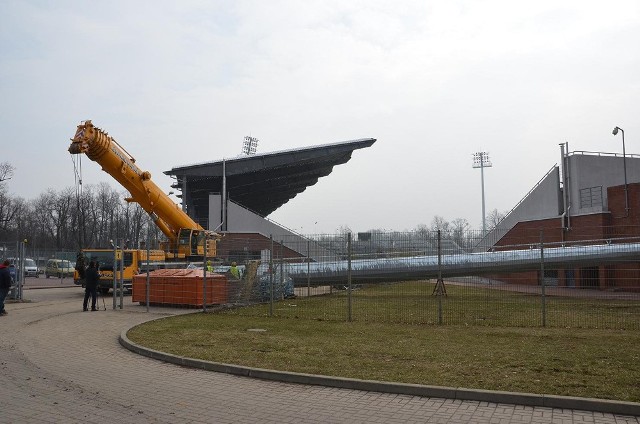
{"x":59,"y":364}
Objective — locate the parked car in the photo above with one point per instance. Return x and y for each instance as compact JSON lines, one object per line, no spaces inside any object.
{"x":30,"y":268}
{"x":58,"y":268}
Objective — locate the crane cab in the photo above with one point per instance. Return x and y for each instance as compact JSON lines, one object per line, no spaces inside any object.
{"x":191,"y":243}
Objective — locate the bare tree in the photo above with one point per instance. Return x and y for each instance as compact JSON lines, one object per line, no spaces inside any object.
{"x":6,"y":171}
{"x":60,"y":214}
{"x":460,"y":231}
{"x":138,"y":223}
{"x":422,"y":230}
{"x":107,"y":214}
{"x":493,"y":219}
{"x":344,"y":230}
{"x":133,"y":220}
{"x":42,"y":217}
{"x":439,"y":223}
{"x":9,"y":210}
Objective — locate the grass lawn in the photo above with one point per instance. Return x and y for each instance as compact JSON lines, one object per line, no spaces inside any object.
{"x":585,"y":362}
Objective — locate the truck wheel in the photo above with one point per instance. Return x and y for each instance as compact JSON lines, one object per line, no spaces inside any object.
{"x":104,"y":291}
{"x":46,"y":275}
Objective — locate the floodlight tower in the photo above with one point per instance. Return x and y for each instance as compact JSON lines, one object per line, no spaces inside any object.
{"x":249,"y":145}
{"x":481,"y":160}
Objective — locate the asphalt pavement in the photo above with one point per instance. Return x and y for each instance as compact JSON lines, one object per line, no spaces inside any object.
{"x":59,"y":364}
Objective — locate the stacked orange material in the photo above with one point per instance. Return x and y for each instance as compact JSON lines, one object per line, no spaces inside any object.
{"x":180,"y":287}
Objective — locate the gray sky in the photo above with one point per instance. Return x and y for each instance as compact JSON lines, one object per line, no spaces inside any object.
{"x":434,"y":81}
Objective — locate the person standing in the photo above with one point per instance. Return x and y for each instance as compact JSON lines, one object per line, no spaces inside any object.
{"x":91,"y":278}
{"x":5,"y":284}
{"x":235,"y":272}
{"x":80,"y":266}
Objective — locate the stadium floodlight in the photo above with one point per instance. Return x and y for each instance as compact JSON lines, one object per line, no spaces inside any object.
{"x":249,"y":146}
{"x":481,"y":160}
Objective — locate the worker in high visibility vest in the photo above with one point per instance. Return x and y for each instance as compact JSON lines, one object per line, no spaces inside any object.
{"x":235,"y":272}
{"x":209,"y":266}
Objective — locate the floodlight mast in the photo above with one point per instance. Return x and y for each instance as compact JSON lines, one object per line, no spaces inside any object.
{"x":249,"y":145}
{"x":481,"y":160}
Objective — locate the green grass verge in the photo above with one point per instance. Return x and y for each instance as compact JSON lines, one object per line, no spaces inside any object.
{"x":574,"y":362}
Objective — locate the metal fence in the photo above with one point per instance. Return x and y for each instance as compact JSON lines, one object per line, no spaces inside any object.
{"x":27,"y":261}
{"x":436,"y":278}
{"x":541,"y":278}
{"x":12,"y":249}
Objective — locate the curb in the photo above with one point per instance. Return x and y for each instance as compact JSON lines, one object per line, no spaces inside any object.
{"x":458,"y":393}
{"x":48,"y":287}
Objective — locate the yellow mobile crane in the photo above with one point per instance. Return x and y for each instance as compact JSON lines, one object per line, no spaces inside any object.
{"x":186,"y":239}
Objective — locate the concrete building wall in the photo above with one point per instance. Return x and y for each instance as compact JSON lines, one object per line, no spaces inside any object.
{"x":242,"y":220}
{"x":615,"y":223}
{"x":595,"y":173}
{"x":542,"y":202}
{"x":589,"y":176}
{"x":214,"y":220}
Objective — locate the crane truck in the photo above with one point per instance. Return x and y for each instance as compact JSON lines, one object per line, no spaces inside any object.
{"x":186,"y":239}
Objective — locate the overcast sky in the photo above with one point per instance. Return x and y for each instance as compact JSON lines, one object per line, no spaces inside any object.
{"x":433,"y":81}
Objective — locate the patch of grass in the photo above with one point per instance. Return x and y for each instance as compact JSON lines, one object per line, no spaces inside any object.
{"x":413,"y":303}
{"x":574,"y":362}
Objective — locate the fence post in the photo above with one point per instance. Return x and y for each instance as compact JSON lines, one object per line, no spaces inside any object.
{"x":439,"y":291}
{"x":122,"y":275}
{"x":115,"y":270}
{"x":147,"y":289}
{"x":308,"y":268}
{"x":204,"y":277}
{"x":271,"y":277}
{"x":542,"y":281}
{"x":349,"y":288}
{"x":20,"y":282}
{"x":281,"y":270}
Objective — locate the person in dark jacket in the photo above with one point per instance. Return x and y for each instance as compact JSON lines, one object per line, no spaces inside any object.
{"x":5,"y":284}
{"x":80,"y":265}
{"x":91,"y":278}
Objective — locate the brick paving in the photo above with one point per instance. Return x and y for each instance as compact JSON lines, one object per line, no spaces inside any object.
{"x":61,"y":365}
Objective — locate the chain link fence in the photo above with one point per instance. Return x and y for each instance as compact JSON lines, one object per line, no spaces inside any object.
{"x":537,"y":278}
{"x":442,"y":278}
{"x":12,"y":249}
{"x":32,"y":262}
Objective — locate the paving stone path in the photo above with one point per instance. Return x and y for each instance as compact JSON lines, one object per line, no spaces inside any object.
{"x":61,"y":365}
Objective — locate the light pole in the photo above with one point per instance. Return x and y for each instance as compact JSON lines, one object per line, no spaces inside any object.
{"x":481,"y":160}
{"x":624,"y":166}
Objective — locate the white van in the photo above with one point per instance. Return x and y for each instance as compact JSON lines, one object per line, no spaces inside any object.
{"x":30,"y":268}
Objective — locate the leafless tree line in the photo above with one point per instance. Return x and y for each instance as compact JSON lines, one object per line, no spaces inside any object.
{"x":68,"y":219}
{"x":458,"y":230}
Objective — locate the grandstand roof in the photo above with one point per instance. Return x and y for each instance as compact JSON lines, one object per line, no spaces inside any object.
{"x":261,"y":182}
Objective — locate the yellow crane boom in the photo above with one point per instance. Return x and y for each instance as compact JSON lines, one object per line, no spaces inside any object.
{"x":186,"y":237}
